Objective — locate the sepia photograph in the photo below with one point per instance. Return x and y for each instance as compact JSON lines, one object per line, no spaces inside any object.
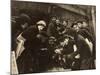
{"x":52,"y":37}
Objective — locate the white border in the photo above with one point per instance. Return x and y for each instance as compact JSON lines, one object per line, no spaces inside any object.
{"x":85,"y":2}
{"x":5,"y":36}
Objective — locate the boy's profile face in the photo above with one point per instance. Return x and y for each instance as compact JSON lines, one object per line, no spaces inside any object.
{"x":40,"y":27}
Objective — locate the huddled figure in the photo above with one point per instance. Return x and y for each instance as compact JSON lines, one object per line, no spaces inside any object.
{"x":53,"y":46}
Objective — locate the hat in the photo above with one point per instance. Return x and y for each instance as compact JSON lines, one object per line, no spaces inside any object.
{"x":52,"y":38}
{"x":41,"y":22}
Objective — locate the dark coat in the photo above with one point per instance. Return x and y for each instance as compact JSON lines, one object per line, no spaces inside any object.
{"x":52,"y":29}
{"x":25,"y":61}
{"x":83,"y":47}
{"x":87,"y":34}
{"x":34,"y":57}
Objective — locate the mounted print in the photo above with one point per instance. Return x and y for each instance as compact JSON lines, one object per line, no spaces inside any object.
{"x":52,"y":37}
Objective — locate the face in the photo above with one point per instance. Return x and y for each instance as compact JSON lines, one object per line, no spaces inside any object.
{"x":76,"y":27}
{"x":64,"y":23}
{"x":79,"y":25}
{"x":65,"y":42}
{"x":52,"y":41}
{"x":53,"y":19}
{"x":85,"y":24}
{"x":25,"y":25}
{"x":57,"y":22}
{"x":40,"y":27}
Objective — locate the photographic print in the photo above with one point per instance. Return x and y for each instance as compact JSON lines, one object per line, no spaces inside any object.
{"x":52,"y":37}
